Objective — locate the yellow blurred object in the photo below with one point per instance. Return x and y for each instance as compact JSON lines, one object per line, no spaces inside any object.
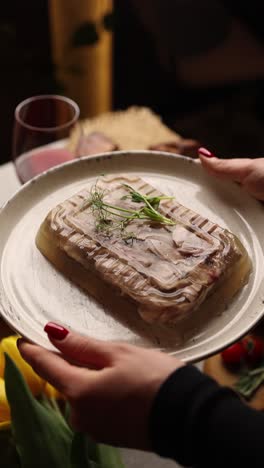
{"x":35,"y":383}
{"x":81,"y":39}
{"x":2,"y":362}
{"x":52,"y":392}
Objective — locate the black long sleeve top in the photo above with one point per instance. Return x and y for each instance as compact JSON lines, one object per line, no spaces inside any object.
{"x":198,"y":423}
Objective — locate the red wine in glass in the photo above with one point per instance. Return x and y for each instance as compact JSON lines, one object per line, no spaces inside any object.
{"x":42,"y":126}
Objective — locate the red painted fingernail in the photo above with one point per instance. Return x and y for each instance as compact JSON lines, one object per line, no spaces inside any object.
{"x":55,"y":331}
{"x":206,"y":152}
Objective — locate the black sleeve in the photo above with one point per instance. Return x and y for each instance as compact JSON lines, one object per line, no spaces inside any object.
{"x":199,"y":423}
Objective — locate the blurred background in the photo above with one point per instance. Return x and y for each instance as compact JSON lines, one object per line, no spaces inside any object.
{"x":199,"y":64}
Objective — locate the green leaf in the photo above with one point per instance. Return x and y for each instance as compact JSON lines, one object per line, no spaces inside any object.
{"x":154,"y":202}
{"x":79,"y":452}
{"x":42,"y":437}
{"x":91,"y":447}
{"x":9,"y":455}
{"x":67,"y":412}
{"x":249,"y":382}
{"x":88,"y":454}
{"x":108,"y":457}
{"x":85,"y":35}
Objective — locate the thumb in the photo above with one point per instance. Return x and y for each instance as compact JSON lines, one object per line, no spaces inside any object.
{"x":79,"y":349}
{"x":230,"y":169}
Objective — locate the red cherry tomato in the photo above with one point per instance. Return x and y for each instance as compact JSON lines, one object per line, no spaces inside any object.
{"x":234,"y":354}
{"x":253,"y":348}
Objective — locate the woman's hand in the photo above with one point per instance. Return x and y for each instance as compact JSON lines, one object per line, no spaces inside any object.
{"x":110,"y":387}
{"x":248,"y":172}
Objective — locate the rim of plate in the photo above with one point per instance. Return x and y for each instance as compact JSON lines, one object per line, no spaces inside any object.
{"x":199,"y":351}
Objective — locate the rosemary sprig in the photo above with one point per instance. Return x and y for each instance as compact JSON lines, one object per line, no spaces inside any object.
{"x":249,"y":381}
{"x":110,"y":218}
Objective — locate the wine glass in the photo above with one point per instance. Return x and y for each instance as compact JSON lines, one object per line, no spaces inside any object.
{"x":42,"y":126}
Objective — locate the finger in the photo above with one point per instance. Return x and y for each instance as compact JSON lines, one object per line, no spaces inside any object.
{"x":75,"y":347}
{"x":50,"y":366}
{"x":230,"y":169}
{"x":254,"y":184}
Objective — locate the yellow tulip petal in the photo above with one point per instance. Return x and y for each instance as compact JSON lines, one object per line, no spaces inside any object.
{"x":4,"y":406}
{"x":5,"y":425}
{"x":8,"y":345}
{"x":2,"y":362}
{"x":52,"y":392}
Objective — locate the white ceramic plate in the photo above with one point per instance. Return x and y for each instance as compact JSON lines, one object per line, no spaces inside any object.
{"x":32,"y":292}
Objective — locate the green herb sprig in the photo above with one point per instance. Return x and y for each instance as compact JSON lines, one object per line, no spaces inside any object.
{"x":249,"y":381}
{"x":112,"y":218}
{"x":151,"y":202}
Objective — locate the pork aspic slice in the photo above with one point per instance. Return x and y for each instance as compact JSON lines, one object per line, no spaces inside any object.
{"x":166,"y":269}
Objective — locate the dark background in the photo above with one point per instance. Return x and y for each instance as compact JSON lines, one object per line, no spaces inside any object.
{"x":228,"y":119}
{"x":27,"y":69}
{"x":25,"y":58}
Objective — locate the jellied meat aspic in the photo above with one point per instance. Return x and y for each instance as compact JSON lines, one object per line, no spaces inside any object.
{"x":166,"y":267}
